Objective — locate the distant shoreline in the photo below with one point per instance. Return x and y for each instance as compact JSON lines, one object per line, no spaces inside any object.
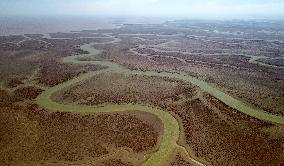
{"x":20,"y":25}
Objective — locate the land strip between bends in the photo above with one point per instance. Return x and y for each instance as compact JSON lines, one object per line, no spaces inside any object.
{"x":171,"y":127}
{"x":227,"y":99}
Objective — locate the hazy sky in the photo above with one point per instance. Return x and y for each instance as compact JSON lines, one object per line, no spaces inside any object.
{"x":180,"y":8}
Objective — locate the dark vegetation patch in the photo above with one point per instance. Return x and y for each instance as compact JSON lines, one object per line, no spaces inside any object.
{"x":13,"y":82}
{"x":120,"y":88}
{"x":64,"y":44}
{"x":222,"y":143}
{"x":35,"y":45}
{"x":43,"y":137}
{"x":28,"y":92}
{"x":78,"y":51}
{"x":6,"y":98}
{"x":52,"y":72}
{"x":227,"y":137}
{"x":234,"y":116}
{"x":126,"y":131}
{"x":18,"y":61}
{"x":10,"y":39}
{"x":29,"y":134}
{"x":8,"y":46}
{"x":180,"y":161}
{"x":276,"y":62}
{"x":222,"y":137}
{"x":18,"y":64}
{"x":168,"y":60}
{"x":213,"y":57}
{"x":114,"y":162}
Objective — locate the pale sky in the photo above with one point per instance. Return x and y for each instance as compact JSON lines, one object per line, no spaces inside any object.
{"x":176,"y":8}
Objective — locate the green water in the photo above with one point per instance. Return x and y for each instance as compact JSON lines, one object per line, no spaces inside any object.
{"x":227,"y":99}
{"x":171,"y":128}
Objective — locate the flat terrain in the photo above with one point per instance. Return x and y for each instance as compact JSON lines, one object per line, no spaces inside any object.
{"x":33,"y":136}
{"x":175,"y":93}
{"x":121,"y":88}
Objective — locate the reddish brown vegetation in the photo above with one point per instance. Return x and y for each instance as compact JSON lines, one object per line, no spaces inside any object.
{"x":179,"y":161}
{"x":77,"y":51}
{"x":114,"y":162}
{"x":52,"y":73}
{"x":35,"y":45}
{"x":6,"y":98}
{"x":222,"y":135}
{"x":27,"y":93}
{"x":116,"y":130}
{"x":210,"y":59}
{"x":220,"y":143}
{"x":218,"y":138}
{"x":233,"y":115}
{"x":14,"y":82}
{"x":165,"y":60}
{"x":43,"y":137}
{"x":67,"y":136}
{"x":120,"y":88}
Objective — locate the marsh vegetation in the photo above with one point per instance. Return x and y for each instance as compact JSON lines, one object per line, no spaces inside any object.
{"x":149,"y":88}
